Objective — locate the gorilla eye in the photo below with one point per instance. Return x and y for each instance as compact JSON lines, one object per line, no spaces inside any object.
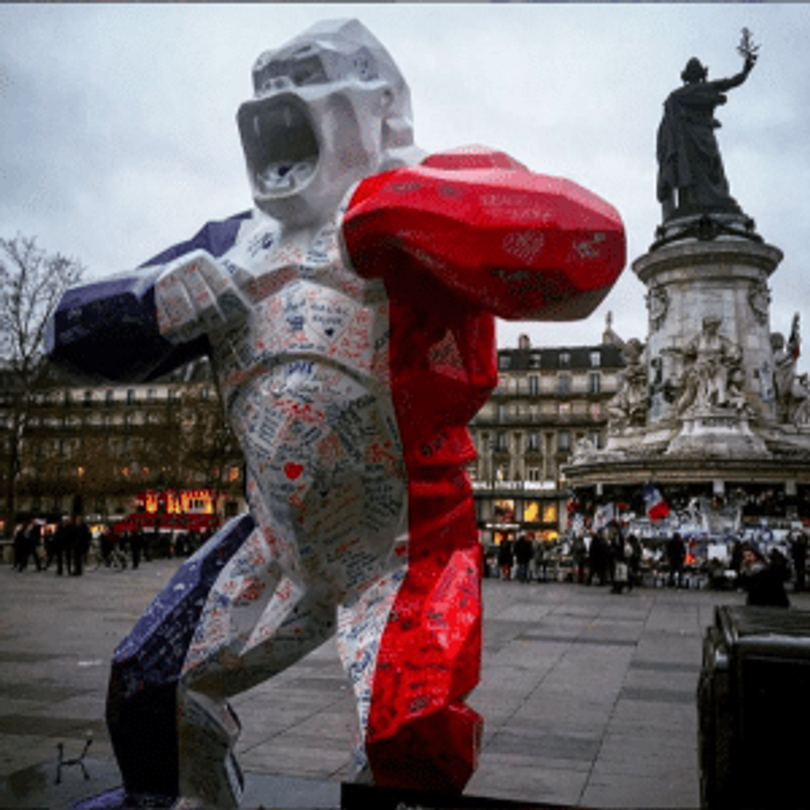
{"x":364,"y":66}
{"x":308,"y":71}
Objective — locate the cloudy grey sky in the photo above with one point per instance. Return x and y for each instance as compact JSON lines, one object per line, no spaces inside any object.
{"x":119,"y":139}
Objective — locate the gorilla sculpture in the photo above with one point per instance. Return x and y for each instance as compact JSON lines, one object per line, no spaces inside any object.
{"x":350,"y":321}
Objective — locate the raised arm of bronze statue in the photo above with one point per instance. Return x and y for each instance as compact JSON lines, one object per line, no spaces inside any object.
{"x":723,"y":85}
{"x":691,"y":178}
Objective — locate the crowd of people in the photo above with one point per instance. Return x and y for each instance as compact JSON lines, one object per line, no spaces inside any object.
{"x":70,"y":546}
{"x":609,"y":557}
{"x":618,"y":558}
{"x":66,"y":546}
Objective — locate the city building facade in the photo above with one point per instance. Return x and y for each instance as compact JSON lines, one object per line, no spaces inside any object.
{"x":548,"y":401}
{"x":157,"y":453}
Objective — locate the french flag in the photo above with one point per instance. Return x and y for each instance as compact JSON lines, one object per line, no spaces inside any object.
{"x":654,"y":502}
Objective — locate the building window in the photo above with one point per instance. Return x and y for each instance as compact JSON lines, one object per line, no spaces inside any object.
{"x":533,"y":473}
{"x":533,"y":442}
{"x":564,"y":440}
{"x":150,"y":395}
{"x":564,"y":383}
{"x":534,"y":360}
{"x":596,"y":359}
{"x":534,"y":385}
{"x":502,"y":442}
{"x":131,"y":396}
{"x":109,"y":398}
{"x":565,"y":359}
{"x":503,"y":361}
{"x":594,"y":383}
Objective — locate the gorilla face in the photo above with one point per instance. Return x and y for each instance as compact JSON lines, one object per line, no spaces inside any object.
{"x":315,"y":126}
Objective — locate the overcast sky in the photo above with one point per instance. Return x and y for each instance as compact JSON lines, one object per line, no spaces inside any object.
{"x":119,"y":139}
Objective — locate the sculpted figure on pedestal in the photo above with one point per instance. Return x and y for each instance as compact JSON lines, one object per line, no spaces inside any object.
{"x":628,"y":408}
{"x":790,"y":393}
{"x":350,"y":317}
{"x":712,"y":366}
{"x":800,"y":414}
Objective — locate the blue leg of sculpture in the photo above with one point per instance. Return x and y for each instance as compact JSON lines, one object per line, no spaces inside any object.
{"x":146,"y":667}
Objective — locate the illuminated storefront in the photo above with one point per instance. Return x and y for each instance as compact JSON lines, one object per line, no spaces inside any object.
{"x":185,"y":510}
{"x":516,"y":510}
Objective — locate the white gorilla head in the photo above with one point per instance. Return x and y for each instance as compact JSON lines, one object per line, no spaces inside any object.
{"x":330,"y":108}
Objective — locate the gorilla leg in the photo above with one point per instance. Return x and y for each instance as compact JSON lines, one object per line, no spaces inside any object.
{"x":418,"y":733}
{"x":146,"y":666}
{"x":256,"y":623}
{"x":361,"y":624}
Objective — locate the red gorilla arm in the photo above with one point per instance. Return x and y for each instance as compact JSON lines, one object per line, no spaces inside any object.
{"x":521,"y":245}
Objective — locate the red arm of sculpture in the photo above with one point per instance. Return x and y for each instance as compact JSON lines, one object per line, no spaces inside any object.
{"x":522,"y":245}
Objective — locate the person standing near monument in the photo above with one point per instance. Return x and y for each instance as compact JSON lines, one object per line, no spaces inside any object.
{"x":506,"y":558}
{"x":523,"y":556}
{"x":63,"y":541}
{"x":676,"y":557}
{"x":691,"y":177}
{"x":798,"y":553}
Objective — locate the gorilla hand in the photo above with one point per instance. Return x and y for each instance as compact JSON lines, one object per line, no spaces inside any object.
{"x":196,"y":295}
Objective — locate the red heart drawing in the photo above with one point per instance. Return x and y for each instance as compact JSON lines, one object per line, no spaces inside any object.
{"x":293,"y":470}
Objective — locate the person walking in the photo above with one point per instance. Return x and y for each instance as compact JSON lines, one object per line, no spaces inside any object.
{"x":676,"y":556}
{"x":798,"y":551}
{"x":62,"y":544}
{"x":579,"y":554}
{"x":634,"y":561}
{"x":506,"y":558}
{"x":766,"y":586}
{"x":19,"y":548}
{"x":80,"y":545}
{"x":540,"y":561}
{"x":618,"y":559}
{"x":598,"y":559}
{"x":30,"y":545}
{"x":135,"y":546}
{"x":523,"y":556}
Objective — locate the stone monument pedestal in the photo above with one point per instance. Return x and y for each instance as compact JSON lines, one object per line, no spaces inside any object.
{"x":688,"y":281}
{"x":712,"y":422}
{"x":716,"y":434}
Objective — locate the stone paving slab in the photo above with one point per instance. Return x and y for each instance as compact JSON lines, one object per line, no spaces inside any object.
{"x":588,"y":697}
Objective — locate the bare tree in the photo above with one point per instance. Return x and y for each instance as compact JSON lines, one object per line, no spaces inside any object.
{"x":32,"y":283}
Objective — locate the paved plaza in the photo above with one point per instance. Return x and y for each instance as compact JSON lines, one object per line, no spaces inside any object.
{"x":588,"y":696}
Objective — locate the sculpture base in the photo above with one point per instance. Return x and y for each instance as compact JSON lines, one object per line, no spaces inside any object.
{"x":261,"y":790}
{"x":705,"y":227}
{"x":366,"y":797}
{"x":714,"y":434}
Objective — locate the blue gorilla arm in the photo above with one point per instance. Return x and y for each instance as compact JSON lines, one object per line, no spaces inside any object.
{"x":108,"y":330}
